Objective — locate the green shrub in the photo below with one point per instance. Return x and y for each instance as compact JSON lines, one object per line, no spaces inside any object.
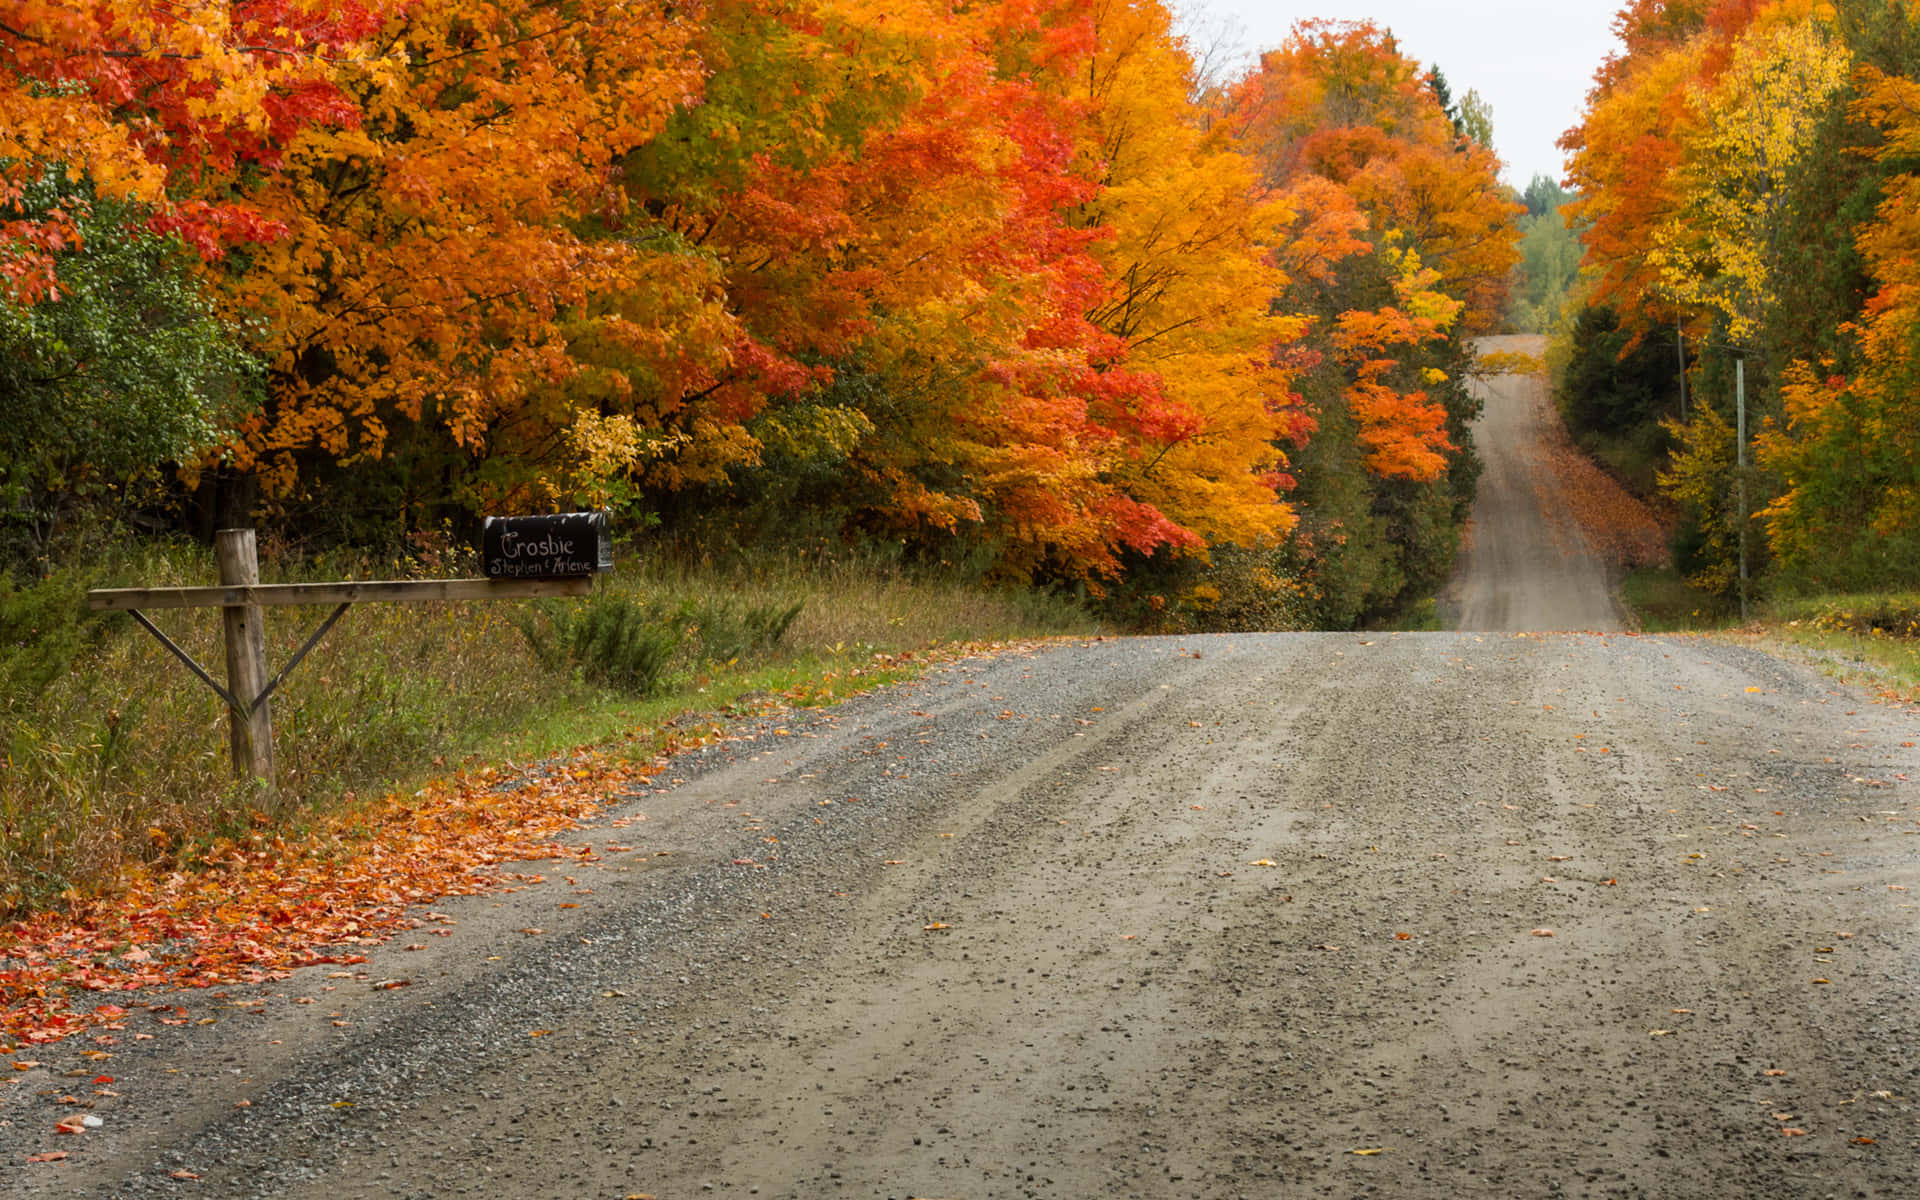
{"x":612,"y":639}
{"x":44,"y":628}
{"x":634,"y":644}
{"x":729,"y":630}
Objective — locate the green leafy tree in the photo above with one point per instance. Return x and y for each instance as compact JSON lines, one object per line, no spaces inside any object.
{"x":1549,"y":258}
{"x":1475,"y":121}
{"x":122,"y":370}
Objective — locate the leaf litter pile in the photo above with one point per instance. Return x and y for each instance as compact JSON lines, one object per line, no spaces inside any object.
{"x":264,"y":906}
{"x":1616,"y":524}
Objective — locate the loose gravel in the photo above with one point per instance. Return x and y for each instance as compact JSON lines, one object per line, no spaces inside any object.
{"x":1210,"y":917}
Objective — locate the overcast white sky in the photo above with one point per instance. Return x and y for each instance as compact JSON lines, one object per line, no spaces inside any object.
{"x":1532,"y":61}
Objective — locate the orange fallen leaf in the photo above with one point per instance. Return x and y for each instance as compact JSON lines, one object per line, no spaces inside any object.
{"x":1773,"y":1072}
{"x":1790,"y":1131}
{"x":1263,"y":862}
{"x":183,"y":1173}
{"x":1402,"y":937}
{"x":1542,"y":932}
{"x":49,"y":1156}
{"x":1823,"y":981}
{"x":538,"y":1032}
{"x":530,"y":931}
{"x":1783,"y":1116}
{"x":935,"y":925}
{"x":896,"y":862}
{"x":1864,"y":1141}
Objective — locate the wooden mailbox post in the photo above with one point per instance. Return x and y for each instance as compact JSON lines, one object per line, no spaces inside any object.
{"x":525,"y":557}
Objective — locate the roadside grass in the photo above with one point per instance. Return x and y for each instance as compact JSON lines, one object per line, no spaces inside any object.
{"x":1868,"y":639}
{"x":1872,"y":640}
{"x":116,"y":759}
{"x":1664,"y":602}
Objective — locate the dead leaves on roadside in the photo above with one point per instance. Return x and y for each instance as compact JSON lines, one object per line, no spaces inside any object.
{"x":264,"y":906}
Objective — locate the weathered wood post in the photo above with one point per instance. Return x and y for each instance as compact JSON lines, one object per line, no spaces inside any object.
{"x":525,"y":558}
{"x":250,"y":731}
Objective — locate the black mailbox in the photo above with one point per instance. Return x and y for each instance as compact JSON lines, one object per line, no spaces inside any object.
{"x":551,"y":547}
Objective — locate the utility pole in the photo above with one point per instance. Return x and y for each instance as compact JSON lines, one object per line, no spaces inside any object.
{"x":1680,"y":346}
{"x":1740,"y":470}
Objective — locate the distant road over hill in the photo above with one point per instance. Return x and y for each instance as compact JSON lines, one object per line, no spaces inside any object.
{"x":1526,"y":564}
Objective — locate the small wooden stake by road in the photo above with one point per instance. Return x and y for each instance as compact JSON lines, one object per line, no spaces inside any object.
{"x":240,"y":596}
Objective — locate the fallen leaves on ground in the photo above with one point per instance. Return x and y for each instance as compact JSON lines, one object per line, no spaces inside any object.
{"x":1617,"y":525}
{"x":264,"y":906}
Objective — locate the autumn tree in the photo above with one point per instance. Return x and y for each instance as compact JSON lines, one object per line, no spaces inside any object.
{"x":1400,"y":252}
{"x":1849,"y":515}
{"x":1721,"y":179}
{"x":125,"y":128}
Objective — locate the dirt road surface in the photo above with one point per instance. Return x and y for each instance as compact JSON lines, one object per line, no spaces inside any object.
{"x":1526,"y":564}
{"x":1415,"y":915}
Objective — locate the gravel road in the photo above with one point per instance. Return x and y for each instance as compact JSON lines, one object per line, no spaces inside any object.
{"x":1397,"y":915}
{"x":1525,"y":564}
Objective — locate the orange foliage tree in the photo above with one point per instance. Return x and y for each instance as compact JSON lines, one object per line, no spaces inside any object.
{"x":977,"y":272}
{"x":1848,"y":447}
{"x":1742,"y":168}
{"x":162,"y":106}
{"x":1399,"y":253}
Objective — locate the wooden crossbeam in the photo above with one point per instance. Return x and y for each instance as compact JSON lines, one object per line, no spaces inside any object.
{"x":266,"y":595}
{"x":240,"y":596}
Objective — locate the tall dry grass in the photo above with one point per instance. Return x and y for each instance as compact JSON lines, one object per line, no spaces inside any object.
{"x":116,"y":757}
